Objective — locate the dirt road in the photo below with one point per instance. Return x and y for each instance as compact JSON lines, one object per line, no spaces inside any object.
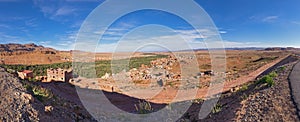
{"x":295,"y":85}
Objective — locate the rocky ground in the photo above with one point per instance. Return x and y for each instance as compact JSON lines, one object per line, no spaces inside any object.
{"x":271,"y":104}
{"x":19,"y":104}
{"x":16,"y":102}
{"x":252,"y":102}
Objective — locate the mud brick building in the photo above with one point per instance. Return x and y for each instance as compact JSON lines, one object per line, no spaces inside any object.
{"x":62,"y":75}
{"x":26,"y":74}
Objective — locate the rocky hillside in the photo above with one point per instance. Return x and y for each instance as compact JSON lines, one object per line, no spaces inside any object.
{"x":23,"y":47}
{"x":30,"y":54}
{"x":18,"y":103}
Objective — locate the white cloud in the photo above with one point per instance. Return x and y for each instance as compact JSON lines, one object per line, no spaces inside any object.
{"x":65,"y":10}
{"x":84,"y":0}
{"x":233,"y":44}
{"x":65,"y":41}
{"x":296,"y":22}
{"x":179,"y":40}
{"x":8,"y":38}
{"x":266,"y":19}
{"x":223,"y":32}
{"x":10,"y":0}
{"x":31,"y":22}
{"x":173,"y":43}
{"x":4,"y":26}
{"x":148,"y":40}
{"x":62,"y":45}
{"x":55,"y":10}
{"x":270,"y":18}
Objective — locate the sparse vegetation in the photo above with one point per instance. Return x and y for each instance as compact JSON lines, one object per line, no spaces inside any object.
{"x":171,"y":84}
{"x":143,"y":107}
{"x":138,"y":61}
{"x":265,"y":59}
{"x":198,"y":100}
{"x":38,"y":70}
{"x":273,"y":74}
{"x":244,"y":87}
{"x":103,"y":67}
{"x":270,"y":82}
{"x":268,"y":79}
{"x":42,"y":94}
{"x":282,"y":68}
{"x":217,"y":108}
{"x":86,"y":69}
{"x":244,"y":96}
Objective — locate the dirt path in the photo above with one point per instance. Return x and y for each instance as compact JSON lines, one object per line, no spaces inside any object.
{"x":166,"y":96}
{"x":170,"y":94}
{"x":255,"y":102}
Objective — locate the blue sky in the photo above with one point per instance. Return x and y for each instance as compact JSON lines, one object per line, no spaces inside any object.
{"x":241,"y":23}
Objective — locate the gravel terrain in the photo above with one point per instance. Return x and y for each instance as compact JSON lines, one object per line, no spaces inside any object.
{"x":15,"y":104}
{"x":254,"y":102}
{"x":271,"y":104}
{"x":18,"y":104}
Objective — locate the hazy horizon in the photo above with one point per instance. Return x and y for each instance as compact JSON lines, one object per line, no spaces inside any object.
{"x":56,"y":24}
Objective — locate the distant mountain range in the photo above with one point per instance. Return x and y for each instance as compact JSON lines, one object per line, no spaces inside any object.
{"x":12,"y":47}
{"x":31,"y":54}
{"x":282,"y":48}
{"x":248,"y":48}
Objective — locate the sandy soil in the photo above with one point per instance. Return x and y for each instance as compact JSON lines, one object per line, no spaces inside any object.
{"x":169,"y":94}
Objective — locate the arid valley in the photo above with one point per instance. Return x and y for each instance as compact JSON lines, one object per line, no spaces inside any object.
{"x":149,"y":61}
{"x":148,"y":83}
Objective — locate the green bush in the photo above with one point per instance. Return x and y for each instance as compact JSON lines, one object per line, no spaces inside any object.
{"x":244,"y":87}
{"x":217,"y":108}
{"x":42,"y":93}
{"x":267,"y":79}
{"x":282,"y":68}
{"x":198,"y":100}
{"x":273,"y":74}
{"x":270,"y":83}
{"x":143,"y":107}
{"x":244,"y":96}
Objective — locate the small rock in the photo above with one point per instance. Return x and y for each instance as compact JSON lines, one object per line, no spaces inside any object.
{"x":27,"y":97}
{"x":48,"y":108}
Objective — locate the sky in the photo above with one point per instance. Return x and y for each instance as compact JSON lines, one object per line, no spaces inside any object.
{"x":240,"y":23}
